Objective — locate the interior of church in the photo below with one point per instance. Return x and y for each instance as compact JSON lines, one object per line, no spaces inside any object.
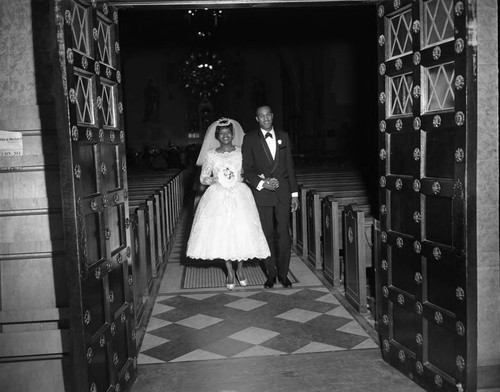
{"x":313,"y":65}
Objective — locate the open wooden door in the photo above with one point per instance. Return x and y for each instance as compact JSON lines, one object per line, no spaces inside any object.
{"x":95,"y":202}
{"x":426,"y":316}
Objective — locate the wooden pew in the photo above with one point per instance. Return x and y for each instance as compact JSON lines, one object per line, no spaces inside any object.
{"x":322,"y":233}
{"x":314,"y":200}
{"x":354,"y":257}
{"x":170,"y":186}
{"x":333,"y":237}
{"x":327,"y":184}
{"x":154,"y":225}
{"x":139,"y":246}
{"x":155,"y":202}
{"x":318,"y":237}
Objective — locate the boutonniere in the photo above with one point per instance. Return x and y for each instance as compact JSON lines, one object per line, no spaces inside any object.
{"x":279,"y":142}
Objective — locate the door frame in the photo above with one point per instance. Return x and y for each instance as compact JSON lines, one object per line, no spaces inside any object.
{"x":180,"y":4}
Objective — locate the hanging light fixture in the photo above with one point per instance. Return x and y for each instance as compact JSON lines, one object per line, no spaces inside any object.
{"x":203,"y":71}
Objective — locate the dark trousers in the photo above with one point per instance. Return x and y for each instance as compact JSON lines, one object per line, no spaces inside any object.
{"x":281,"y":213}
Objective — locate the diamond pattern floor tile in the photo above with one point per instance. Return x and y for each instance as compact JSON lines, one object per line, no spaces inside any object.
{"x":159,"y":308}
{"x":354,"y":328}
{"x":197,"y":355}
{"x":147,"y":360}
{"x":246,"y":304}
{"x":199,"y":321}
{"x":155,"y":323}
{"x":254,"y":335}
{"x":340,"y":312}
{"x":150,"y":341}
{"x":329,"y":299}
{"x":227,"y":347}
{"x":299,"y":315}
{"x":255,"y":322}
{"x":368,"y":343}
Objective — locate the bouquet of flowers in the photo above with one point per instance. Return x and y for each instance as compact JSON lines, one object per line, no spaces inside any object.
{"x":227,"y":177}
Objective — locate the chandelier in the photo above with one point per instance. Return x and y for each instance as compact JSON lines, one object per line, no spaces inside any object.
{"x":203,"y":73}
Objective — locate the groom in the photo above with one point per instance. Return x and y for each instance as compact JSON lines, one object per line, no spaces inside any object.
{"x":268,"y":168}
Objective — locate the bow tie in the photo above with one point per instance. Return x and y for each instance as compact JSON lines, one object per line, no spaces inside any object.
{"x":269,"y":134}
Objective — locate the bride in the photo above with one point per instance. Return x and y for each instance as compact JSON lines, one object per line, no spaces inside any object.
{"x":226,"y":224}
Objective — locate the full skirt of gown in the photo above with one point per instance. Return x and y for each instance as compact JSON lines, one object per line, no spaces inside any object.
{"x":227,"y":226}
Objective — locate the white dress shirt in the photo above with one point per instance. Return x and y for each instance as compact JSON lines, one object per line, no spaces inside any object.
{"x":271,"y":141}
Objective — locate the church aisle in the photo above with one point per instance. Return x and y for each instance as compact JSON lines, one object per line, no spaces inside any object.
{"x":251,"y":339}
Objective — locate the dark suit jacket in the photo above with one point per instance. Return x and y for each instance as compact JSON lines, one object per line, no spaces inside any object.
{"x":258,"y":163}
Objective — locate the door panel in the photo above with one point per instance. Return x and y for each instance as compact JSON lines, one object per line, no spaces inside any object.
{"x":89,"y":41}
{"x":422,"y":270}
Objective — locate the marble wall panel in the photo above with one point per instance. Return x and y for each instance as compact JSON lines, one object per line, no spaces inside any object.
{"x":40,"y":232}
{"x":22,"y":77}
{"x":35,"y":184}
{"x":20,"y":30}
{"x":25,"y":54}
{"x":487,"y":182}
{"x":487,"y":31}
{"x":27,"y":117}
{"x":29,"y":283}
{"x":44,"y":375}
{"x":488,"y":314}
{"x":4,"y":60}
{"x":488,"y":260}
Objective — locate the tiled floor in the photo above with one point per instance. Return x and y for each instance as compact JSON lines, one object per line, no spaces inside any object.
{"x":252,"y":339}
{"x":305,"y":338}
{"x":216,"y":323}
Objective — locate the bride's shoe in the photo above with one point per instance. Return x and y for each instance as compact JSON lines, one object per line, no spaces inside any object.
{"x":243,"y":282}
{"x":230,"y":286}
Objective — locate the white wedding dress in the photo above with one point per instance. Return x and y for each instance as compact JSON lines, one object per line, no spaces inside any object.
{"x":226,"y":224}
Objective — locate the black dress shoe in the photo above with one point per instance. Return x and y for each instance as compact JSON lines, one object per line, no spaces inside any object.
{"x":286,"y":282}
{"x":269,"y":284}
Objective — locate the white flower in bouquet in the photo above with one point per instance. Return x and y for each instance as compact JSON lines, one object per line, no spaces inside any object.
{"x":227,"y":177}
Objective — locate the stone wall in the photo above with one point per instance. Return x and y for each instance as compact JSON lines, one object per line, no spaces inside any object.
{"x":488,"y":271}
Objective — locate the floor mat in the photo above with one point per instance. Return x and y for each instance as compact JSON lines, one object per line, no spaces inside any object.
{"x":208,"y":275}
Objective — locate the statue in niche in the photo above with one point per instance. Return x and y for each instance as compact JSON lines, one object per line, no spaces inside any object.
{"x":205,"y":113}
{"x":151,"y":102}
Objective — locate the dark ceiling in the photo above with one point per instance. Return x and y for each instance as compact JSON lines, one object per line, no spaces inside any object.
{"x":265,"y":26}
